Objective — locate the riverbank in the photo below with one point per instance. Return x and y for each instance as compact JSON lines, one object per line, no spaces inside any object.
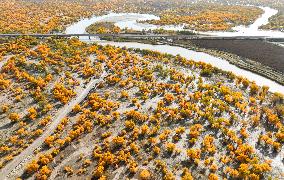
{"x":263,"y":58}
{"x":131,"y":21}
{"x":240,"y":64}
{"x":256,"y":65}
{"x":260,"y":51}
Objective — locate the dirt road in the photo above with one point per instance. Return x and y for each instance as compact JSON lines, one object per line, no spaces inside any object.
{"x":20,"y":160}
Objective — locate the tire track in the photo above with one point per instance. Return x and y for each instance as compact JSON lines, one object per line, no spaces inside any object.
{"x":20,"y":160}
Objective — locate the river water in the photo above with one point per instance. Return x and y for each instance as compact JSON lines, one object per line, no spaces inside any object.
{"x":129,"y":20}
{"x":122,"y":20}
{"x":204,"y":57}
{"x":253,"y":29}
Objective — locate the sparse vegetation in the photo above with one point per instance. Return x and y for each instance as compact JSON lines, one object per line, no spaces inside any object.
{"x":82,"y":110}
{"x":103,"y":28}
{"x":145,"y":116}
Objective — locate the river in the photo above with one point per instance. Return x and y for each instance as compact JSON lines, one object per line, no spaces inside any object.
{"x":253,"y":29}
{"x":129,"y":20}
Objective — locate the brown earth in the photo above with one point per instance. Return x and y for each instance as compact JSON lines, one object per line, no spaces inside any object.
{"x":266,"y":53}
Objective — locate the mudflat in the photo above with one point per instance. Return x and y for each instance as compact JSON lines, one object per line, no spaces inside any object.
{"x":266,"y":53}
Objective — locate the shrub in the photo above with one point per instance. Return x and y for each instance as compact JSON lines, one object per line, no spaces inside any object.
{"x":206,"y":72}
{"x":145,"y":174}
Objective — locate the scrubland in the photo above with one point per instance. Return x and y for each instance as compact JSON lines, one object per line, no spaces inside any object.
{"x":148,"y":115}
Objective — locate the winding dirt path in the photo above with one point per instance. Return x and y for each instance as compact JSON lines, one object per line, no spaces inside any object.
{"x":21,"y":159}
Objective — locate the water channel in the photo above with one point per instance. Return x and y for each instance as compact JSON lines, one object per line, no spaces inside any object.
{"x":129,"y":20}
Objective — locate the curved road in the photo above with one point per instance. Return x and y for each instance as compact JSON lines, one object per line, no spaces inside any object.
{"x":21,"y":158}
